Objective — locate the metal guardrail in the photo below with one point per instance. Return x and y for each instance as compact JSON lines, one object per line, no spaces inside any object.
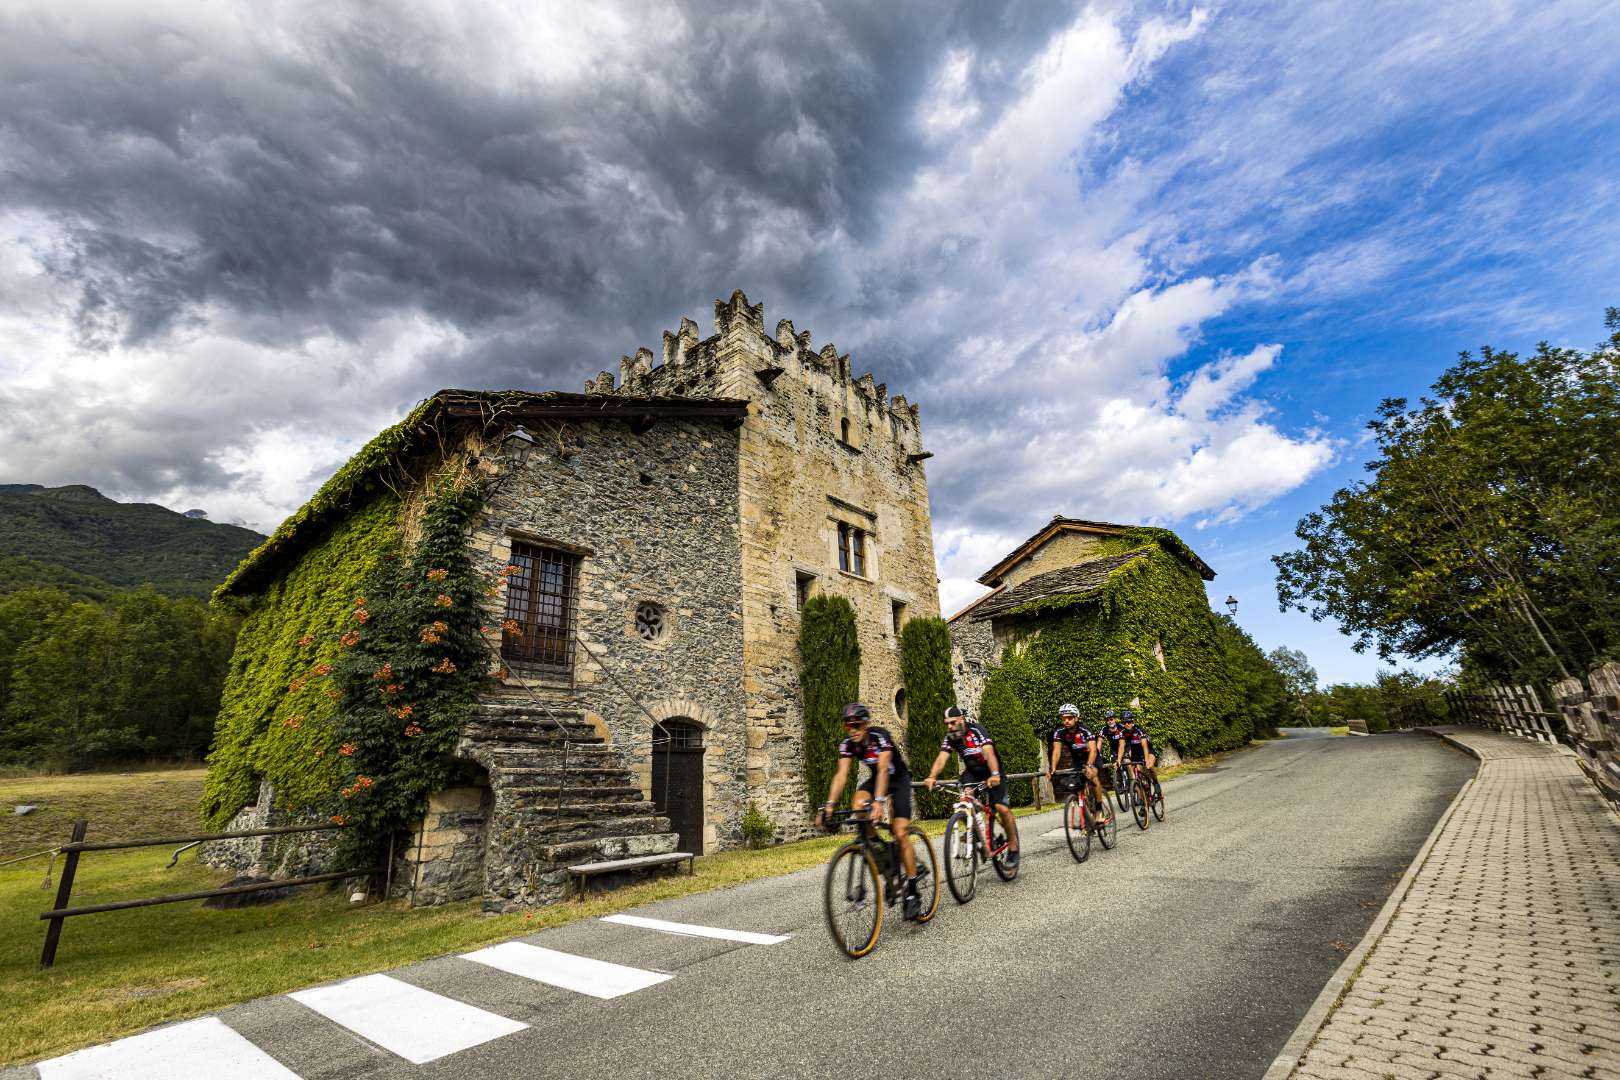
{"x":77,"y":845}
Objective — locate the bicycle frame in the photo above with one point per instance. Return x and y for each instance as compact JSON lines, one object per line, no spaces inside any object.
{"x":982,"y":816}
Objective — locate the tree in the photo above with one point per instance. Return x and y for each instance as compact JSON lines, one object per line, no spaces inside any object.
{"x":830,"y":678}
{"x":1299,"y":677}
{"x":1490,"y":524}
{"x":925,"y":665}
{"x":1002,"y":713}
{"x":1263,"y":693}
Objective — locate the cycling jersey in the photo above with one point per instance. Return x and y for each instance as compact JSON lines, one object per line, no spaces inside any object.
{"x":1113,"y":731}
{"x":1136,"y":741}
{"x":969,"y":746}
{"x":877,"y":740}
{"x":1078,"y":739}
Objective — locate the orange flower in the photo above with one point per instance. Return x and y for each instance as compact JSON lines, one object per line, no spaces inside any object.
{"x":391,"y":688}
{"x":296,"y":684}
{"x":360,"y":615}
{"x":443,"y":600}
{"x":445,"y":667}
{"x":331,"y":695}
{"x":362,"y":781}
{"x":412,"y":730}
{"x":441,"y":626}
{"x":384,"y":672}
{"x":511,"y":627}
{"x":512,"y":570}
{"x":505,"y":673}
{"x":347,"y":749}
{"x":337,"y":819}
{"x":437,"y":574}
{"x":359,"y":601}
{"x":402,"y":712}
{"x":306,"y":641}
{"x":323,"y":669}
{"x":293,"y":722}
{"x":429,"y":637}
{"x":351,"y":639}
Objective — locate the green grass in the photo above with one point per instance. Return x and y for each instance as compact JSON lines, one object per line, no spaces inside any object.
{"x":1342,"y":729}
{"x":158,"y":802}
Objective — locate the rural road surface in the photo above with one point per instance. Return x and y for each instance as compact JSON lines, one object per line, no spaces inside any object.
{"x":1191,"y":950}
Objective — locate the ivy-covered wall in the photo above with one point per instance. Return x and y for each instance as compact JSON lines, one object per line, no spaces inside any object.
{"x":276,"y":711}
{"x":1098,"y":651}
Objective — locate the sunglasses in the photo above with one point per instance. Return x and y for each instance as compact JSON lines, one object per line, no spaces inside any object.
{"x":854,"y":723}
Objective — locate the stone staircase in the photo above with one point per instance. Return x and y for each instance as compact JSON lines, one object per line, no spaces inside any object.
{"x":561,"y":796}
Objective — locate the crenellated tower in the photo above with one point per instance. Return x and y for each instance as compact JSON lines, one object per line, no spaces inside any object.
{"x":833,"y":498}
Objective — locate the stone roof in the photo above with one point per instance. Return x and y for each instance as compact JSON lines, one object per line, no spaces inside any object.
{"x":1080,"y":582}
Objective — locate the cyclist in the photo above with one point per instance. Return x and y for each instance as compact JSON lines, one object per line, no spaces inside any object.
{"x":1140,"y":749}
{"x":1113,"y":731}
{"x":1083,"y":747}
{"x":887,"y":788}
{"x":973,"y":744}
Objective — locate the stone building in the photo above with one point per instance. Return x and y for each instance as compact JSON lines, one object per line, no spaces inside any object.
{"x":1067,"y":557}
{"x":667,"y":526}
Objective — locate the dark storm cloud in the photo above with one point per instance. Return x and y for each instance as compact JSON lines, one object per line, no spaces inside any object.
{"x":369,"y":169}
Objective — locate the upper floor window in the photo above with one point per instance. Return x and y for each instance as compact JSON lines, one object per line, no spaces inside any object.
{"x":540,"y":604}
{"x":851,"y":549}
{"x":843,"y":430}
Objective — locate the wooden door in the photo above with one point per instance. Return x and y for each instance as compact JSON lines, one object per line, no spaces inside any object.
{"x":677,"y":779}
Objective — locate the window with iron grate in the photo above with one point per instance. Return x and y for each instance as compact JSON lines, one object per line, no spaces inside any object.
{"x":540,"y":601}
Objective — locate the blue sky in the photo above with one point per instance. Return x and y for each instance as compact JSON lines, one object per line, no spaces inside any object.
{"x":1138,"y":262}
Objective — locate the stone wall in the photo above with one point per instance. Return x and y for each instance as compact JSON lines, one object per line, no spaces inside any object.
{"x":296,"y":855}
{"x":1066,"y":548}
{"x":444,"y":860}
{"x":819,"y":448}
{"x":975,"y":652}
{"x":653,"y":517}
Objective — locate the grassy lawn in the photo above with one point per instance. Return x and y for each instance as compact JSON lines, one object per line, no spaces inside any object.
{"x":118,"y":805}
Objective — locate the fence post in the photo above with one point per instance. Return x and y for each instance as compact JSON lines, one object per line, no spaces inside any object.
{"x":64,"y":890}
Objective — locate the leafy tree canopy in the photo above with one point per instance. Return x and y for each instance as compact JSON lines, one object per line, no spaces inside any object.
{"x":1490,"y":524}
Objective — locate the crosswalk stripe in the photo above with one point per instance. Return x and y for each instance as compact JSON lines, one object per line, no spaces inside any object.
{"x":196,"y":1048}
{"x":693,"y":930}
{"x":418,"y":1025}
{"x":598,"y":978}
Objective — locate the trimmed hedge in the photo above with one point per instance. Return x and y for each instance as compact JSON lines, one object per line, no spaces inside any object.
{"x":925,"y":666}
{"x":830,"y":678}
{"x":1005,"y":715}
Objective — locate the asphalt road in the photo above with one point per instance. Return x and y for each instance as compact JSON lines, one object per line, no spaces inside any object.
{"x":1191,"y":950}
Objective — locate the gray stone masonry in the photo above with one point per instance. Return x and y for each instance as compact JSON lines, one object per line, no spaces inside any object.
{"x":1503,"y":959}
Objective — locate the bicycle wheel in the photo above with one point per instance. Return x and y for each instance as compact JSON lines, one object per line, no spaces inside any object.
{"x":961,"y":857}
{"x":927,"y":873}
{"x":1076,"y":830}
{"x":1139,"y":803}
{"x":1108,"y":828}
{"x":1122,"y":781}
{"x":1000,"y":842}
{"x":1158,"y":802}
{"x":854,"y":897}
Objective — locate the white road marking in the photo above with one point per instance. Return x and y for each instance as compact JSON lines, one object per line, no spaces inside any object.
{"x":581,"y":974}
{"x":418,"y":1025}
{"x":196,"y":1048}
{"x":691,"y":930}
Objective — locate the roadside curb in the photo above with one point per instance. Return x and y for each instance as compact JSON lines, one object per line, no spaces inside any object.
{"x":1317,"y":1015}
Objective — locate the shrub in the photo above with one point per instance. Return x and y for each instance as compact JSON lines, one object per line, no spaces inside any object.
{"x":1003,"y":714}
{"x":830,"y":678}
{"x":758,"y":830}
{"x":925,"y":665}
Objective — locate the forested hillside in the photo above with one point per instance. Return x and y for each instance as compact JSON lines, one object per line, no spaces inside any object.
{"x":79,"y":541}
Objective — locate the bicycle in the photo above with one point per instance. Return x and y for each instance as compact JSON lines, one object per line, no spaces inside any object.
{"x":866,"y":874}
{"x":973,"y":833}
{"x":1080,"y":821}
{"x":1122,"y":781}
{"x":1144,"y":796}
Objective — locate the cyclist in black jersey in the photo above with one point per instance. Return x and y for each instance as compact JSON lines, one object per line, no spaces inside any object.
{"x":887,"y":787}
{"x":1113,"y":731}
{"x":976,"y":749}
{"x":1083,"y":747}
{"x":1140,"y":749}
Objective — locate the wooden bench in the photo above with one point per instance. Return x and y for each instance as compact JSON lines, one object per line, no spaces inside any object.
{"x":585,"y":871}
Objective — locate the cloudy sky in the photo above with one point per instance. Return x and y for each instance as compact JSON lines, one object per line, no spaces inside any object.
{"x":1138,"y":263}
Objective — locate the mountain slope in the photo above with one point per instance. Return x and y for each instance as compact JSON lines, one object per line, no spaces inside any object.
{"x":88,"y":545}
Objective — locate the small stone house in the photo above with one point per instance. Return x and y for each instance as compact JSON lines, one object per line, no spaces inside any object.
{"x":667,"y":525}
{"x":1151,"y":643}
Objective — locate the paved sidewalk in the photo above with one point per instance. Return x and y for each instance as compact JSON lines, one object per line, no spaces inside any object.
{"x":1503,"y":958}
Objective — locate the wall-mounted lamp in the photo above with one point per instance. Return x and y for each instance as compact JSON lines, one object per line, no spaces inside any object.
{"x":1231,"y":605}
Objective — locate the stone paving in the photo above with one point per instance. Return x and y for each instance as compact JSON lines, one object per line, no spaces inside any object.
{"x":1503,"y":959}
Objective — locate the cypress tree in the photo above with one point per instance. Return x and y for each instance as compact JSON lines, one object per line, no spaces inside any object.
{"x":925,"y":665}
{"x":830,"y":678}
{"x":1003,"y":714}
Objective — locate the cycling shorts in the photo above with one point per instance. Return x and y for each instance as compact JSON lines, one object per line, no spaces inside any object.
{"x":899,"y":794}
{"x":991,"y":796}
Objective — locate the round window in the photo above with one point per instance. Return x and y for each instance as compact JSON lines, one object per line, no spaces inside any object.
{"x":651,"y":621}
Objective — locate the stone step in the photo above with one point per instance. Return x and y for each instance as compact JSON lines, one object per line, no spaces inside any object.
{"x":609,"y":847}
{"x":544,"y":736}
{"x":600,"y":811}
{"x":585,"y":752}
{"x":550,"y":776}
{"x":565,"y":830}
{"x":521,"y":710}
{"x":548,"y":794}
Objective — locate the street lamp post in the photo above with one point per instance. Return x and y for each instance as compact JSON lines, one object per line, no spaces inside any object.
{"x":1231,"y":605}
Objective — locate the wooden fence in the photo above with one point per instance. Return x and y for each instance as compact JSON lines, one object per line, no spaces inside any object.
{"x":1512,"y":710}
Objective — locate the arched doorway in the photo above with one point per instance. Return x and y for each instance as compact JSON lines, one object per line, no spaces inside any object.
{"x":677,"y":778}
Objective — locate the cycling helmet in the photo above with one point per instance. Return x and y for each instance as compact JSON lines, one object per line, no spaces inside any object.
{"x":1068,"y":709}
{"x":1127,"y":716}
{"x":953,"y":712}
{"x":1108,"y":714}
{"x":856,"y":713}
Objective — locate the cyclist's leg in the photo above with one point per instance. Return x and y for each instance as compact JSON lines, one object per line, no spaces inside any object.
{"x":1094,"y":784}
{"x":900,"y":821}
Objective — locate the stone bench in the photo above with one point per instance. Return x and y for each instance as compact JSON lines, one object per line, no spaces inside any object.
{"x":585,"y":871}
